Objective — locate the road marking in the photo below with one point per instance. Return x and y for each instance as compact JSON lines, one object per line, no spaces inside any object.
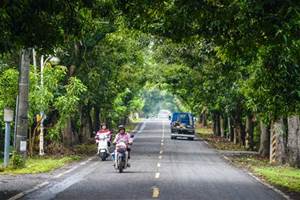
{"x":22,"y":194}
{"x":162,"y":144}
{"x":158,"y":164}
{"x":157,"y":175}
{"x":39,"y":186}
{"x":270,"y":186}
{"x":142,"y":127}
{"x":163,"y":127}
{"x":18,"y":196}
{"x":57,"y":187}
{"x":160,"y":157}
{"x":161,"y":151}
{"x":73,"y":168}
{"x":155,"y":192}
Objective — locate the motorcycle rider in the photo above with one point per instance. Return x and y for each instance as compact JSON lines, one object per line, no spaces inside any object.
{"x":123,"y":136}
{"x":105,"y":131}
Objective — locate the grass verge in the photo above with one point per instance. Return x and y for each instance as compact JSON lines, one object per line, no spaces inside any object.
{"x":218,"y":142}
{"x":40,"y":165}
{"x":132,"y":124}
{"x":284,"y":177}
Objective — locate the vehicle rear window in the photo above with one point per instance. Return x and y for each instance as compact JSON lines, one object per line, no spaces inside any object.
{"x":182,"y":118}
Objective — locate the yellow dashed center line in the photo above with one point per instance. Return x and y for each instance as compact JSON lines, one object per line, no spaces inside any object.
{"x":155,"y":189}
{"x":155,"y":192}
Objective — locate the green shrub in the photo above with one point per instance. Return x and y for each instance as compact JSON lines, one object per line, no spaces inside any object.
{"x":85,"y":149}
{"x":58,"y":149}
{"x":17,"y":161}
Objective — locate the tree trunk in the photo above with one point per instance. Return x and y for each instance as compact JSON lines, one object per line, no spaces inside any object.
{"x":237,"y":129}
{"x":230,"y":129}
{"x":200,"y":119}
{"x":86,"y":125}
{"x":236,"y":134}
{"x":96,"y":118}
{"x":22,"y":118}
{"x":249,"y":132}
{"x":294,"y":141}
{"x":204,"y":120}
{"x":222,"y":126}
{"x":216,"y":124}
{"x":85,"y":131}
{"x":278,"y":133}
{"x":264,"y":147}
{"x":67,"y":133}
{"x":243,"y":133}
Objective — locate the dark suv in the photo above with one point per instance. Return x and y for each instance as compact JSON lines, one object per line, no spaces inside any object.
{"x":182,"y":125}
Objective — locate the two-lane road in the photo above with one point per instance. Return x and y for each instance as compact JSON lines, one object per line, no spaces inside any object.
{"x":161,"y":168}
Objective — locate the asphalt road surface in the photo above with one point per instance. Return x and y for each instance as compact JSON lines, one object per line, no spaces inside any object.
{"x":161,"y":168}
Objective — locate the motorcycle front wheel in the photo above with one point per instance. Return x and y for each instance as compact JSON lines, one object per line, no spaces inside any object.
{"x":103,"y":156}
{"x":121,"y":166}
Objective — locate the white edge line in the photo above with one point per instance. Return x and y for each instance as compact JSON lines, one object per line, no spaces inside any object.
{"x":264,"y":183}
{"x":21,"y":194}
{"x":66,"y":172}
{"x":18,"y":196}
{"x":270,"y":186}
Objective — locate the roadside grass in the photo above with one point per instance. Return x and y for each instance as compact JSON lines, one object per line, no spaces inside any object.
{"x":136,"y":120}
{"x":216,"y":141}
{"x":40,"y":165}
{"x":130,"y":127}
{"x":132,"y":124}
{"x":284,"y":177}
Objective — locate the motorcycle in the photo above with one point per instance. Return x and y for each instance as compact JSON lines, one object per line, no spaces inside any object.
{"x":103,"y":150}
{"x":121,"y":156}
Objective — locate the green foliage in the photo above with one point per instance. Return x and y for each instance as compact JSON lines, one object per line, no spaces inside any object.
{"x":67,"y":105}
{"x":8,"y":88}
{"x":17,"y":161}
{"x":43,"y":24}
{"x":245,"y":53}
{"x":42,"y":97}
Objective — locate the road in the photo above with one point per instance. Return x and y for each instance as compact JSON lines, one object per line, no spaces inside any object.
{"x":161,"y":168}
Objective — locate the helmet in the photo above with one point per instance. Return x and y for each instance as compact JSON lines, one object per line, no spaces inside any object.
{"x":121,"y":127}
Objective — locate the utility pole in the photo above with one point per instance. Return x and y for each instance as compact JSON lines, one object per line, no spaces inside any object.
{"x":22,"y":117}
{"x":41,"y":145}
